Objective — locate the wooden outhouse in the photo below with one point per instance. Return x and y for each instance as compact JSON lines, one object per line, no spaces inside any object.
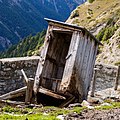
{"x":66,"y":60}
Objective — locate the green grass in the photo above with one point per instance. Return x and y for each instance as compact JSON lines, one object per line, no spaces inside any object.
{"x":10,"y":113}
{"x":100,"y":11}
{"x":113,"y":105}
{"x":117,"y":63}
{"x":27,"y":117}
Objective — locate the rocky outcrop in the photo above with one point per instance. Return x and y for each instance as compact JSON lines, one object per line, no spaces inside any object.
{"x":111,"y":52}
{"x":4,"y":43}
{"x":105,"y":76}
{"x":102,"y":18}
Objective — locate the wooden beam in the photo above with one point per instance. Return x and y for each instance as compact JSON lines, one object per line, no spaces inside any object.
{"x":25,"y":76}
{"x":54,"y":79}
{"x":50,"y":93}
{"x":117,"y":78}
{"x":29,"y":90}
{"x":14,"y":94}
{"x":67,"y":102}
{"x":62,"y":31}
{"x":12,"y":103}
{"x":71,"y":27}
{"x":93,"y":83}
{"x":42,"y":60}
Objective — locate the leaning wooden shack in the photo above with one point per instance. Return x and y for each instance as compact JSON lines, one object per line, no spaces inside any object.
{"x":66,"y":60}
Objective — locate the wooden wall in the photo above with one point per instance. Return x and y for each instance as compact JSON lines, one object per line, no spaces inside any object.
{"x":55,"y":59}
{"x":69,"y":55}
{"x":79,"y":67}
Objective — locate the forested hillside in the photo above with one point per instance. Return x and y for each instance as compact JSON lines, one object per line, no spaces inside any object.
{"x":20,"y":18}
{"x":26,"y":47}
{"x":102,"y":18}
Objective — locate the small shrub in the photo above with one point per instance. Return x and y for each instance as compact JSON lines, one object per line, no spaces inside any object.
{"x":90,"y":12}
{"x":117,"y":63}
{"x":75,"y":14}
{"x":88,"y":17}
{"x":90,"y":1}
{"x":106,"y":33}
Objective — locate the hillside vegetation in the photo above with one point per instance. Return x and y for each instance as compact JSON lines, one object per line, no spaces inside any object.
{"x":19,"y":18}
{"x":102,"y":18}
{"x":26,"y":47}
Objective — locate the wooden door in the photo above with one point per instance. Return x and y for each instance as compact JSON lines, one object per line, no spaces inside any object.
{"x":70,"y":61}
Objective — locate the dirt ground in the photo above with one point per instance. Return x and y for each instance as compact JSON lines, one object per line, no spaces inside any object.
{"x":113,"y":114}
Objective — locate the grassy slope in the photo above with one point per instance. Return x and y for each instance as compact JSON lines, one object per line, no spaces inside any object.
{"x":92,"y":14}
{"x":47,"y":113}
{"x":102,"y":18}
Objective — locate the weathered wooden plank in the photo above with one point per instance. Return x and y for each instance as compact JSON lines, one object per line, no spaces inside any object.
{"x":70,"y":56}
{"x":71,"y":27}
{"x":48,"y":73}
{"x":25,"y":76}
{"x":67,"y":102}
{"x":53,"y":79}
{"x":50,"y":93}
{"x":79,"y":82}
{"x":92,"y":65}
{"x":67,"y":65}
{"x":89,"y":70}
{"x":79,"y":52}
{"x":93,"y":83}
{"x":12,"y":103}
{"x":62,"y":31}
{"x":70,"y":62}
{"x":14,"y":94}
{"x":117,"y":78}
{"x":93,"y":61}
{"x":86,"y":58}
{"x":28,"y":97}
{"x":83,"y":54}
{"x":81,"y":64}
{"x":42,"y":60}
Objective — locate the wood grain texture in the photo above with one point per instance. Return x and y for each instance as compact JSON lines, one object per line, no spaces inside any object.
{"x":69,"y":56}
{"x":42,"y":60}
{"x":14,"y":94}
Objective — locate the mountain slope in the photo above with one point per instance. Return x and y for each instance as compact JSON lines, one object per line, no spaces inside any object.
{"x":26,"y":47}
{"x":19,"y":18}
{"x":102,"y":18}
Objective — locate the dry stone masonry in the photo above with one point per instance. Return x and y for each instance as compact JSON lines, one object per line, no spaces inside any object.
{"x":11,"y":77}
{"x":105,"y":76}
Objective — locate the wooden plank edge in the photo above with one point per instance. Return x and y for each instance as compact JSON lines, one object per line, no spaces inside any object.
{"x":50,"y":93}
{"x":13,"y":94}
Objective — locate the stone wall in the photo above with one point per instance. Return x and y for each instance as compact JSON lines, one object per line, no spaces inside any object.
{"x":105,"y":76}
{"x":11,"y":77}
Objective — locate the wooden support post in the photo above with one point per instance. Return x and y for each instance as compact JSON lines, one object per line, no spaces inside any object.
{"x":14,"y":94}
{"x":29,"y":90}
{"x":12,"y":103}
{"x":50,"y":93}
{"x":117,"y":77}
{"x":93,"y":82}
{"x":26,"y":79}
